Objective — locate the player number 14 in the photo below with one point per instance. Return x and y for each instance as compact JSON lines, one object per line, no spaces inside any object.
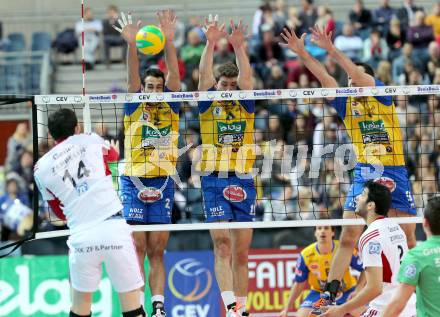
{"x":82,"y":172}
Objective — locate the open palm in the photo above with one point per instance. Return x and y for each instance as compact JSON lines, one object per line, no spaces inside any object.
{"x":238,"y":34}
{"x":295,"y":43}
{"x":167,"y":23}
{"x":322,"y":38}
{"x":213,"y":31}
{"x":127,"y":29}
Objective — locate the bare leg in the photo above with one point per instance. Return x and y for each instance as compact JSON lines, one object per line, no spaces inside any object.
{"x":81,"y":302}
{"x":140,"y":242}
{"x":347,"y":242}
{"x":156,"y":245}
{"x":241,"y":241}
{"x":129,"y":301}
{"x":223,"y":255}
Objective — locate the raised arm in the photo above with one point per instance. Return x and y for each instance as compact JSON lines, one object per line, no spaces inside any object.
{"x":315,"y":67}
{"x":324,"y":40}
{"x":237,"y":38}
{"x":213,"y":33}
{"x":129,"y":31}
{"x":167,"y":23}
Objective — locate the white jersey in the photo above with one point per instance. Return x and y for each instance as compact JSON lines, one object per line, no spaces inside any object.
{"x":74,"y":172}
{"x":383,"y":244}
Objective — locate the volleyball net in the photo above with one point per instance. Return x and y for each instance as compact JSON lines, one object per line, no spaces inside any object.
{"x":299,"y":153}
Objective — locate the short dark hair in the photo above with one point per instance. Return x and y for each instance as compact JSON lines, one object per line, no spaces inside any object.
{"x":154,"y":72}
{"x":432,"y":215}
{"x":380,"y":195}
{"x":62,"y":123}
{"x":368,"y":69}
{"x":228,"y":69}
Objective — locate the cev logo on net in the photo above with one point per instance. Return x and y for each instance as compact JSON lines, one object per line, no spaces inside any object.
{"x":199,"y":275}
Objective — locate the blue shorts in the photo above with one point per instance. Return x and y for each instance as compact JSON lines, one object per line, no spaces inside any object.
{"x":152,"y":205}
{"x":228,"y":199}
{"x":395,"y":178}
{"x":315,"y":295}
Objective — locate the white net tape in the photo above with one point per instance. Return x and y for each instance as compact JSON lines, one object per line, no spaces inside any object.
{"x":113,"y":103}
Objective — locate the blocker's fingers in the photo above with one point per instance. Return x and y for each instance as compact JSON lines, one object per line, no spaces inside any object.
{"x":121,"y":23}
{"x":117,"y":29}
{"x":232,"y":24}
{"x":139,"y":24}
{"x":210,"y":18}
{"x":130,"y":19}
{"x":284,"y":37}
{"x":124,"y":19}
{"x":216,"y":18}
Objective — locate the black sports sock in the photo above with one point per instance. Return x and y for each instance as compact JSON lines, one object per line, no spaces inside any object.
{"x":333,"y":288}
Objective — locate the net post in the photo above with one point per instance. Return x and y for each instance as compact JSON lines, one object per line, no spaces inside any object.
{"x":87,"y":117}
{"x":35,"y":197}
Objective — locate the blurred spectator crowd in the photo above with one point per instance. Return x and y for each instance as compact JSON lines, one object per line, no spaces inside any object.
{"x":401,"y":43}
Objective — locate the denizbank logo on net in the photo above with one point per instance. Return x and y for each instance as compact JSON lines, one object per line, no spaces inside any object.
{"x":26,"y":293}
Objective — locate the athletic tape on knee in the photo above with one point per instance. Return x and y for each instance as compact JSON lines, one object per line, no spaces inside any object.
{"x":134,"y":313}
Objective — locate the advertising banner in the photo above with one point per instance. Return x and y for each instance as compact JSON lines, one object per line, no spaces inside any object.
{"x":191,"y":288}
{"x":271,"y":274}
{"x":38,"y":286}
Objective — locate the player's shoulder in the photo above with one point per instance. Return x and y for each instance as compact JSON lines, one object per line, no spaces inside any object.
{"x":370,"y":236}
{"x":309,"y":250}
{"x":47,"y":159}
{"x":422,"y":249}
{"x":85,"y":138}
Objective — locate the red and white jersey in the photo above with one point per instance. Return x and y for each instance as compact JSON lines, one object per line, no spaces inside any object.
{"x":383,"y":244}
{"x":76,"y":175}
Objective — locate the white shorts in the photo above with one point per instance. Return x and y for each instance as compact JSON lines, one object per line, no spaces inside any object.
{"x":111,"y":244}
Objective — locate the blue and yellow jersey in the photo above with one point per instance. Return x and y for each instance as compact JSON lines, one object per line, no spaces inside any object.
{"x":373,"y":127}
{"x":227,"y":131}
{"x":151,"y":136}
{"x":314,"y":267}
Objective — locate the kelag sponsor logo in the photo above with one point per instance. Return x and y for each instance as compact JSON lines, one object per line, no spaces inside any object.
{"x":235,"y":127}
{"x":372,"y":126}
{"x":28,"y":288}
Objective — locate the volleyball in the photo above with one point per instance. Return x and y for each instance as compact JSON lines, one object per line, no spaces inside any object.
{"x":150,"y":40}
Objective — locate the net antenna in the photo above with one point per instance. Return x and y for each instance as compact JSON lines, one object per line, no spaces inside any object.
{"x":86,"y":111}
{"x":114,"y":103}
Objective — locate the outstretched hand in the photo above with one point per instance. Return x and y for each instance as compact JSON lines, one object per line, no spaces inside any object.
{"x":238,"y":34}
{"x":167,"y":23}
{"x":321,"y":38}
{"x":212,"y":30}
{"x":293,"y":42}
{"x":127,"y":29}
